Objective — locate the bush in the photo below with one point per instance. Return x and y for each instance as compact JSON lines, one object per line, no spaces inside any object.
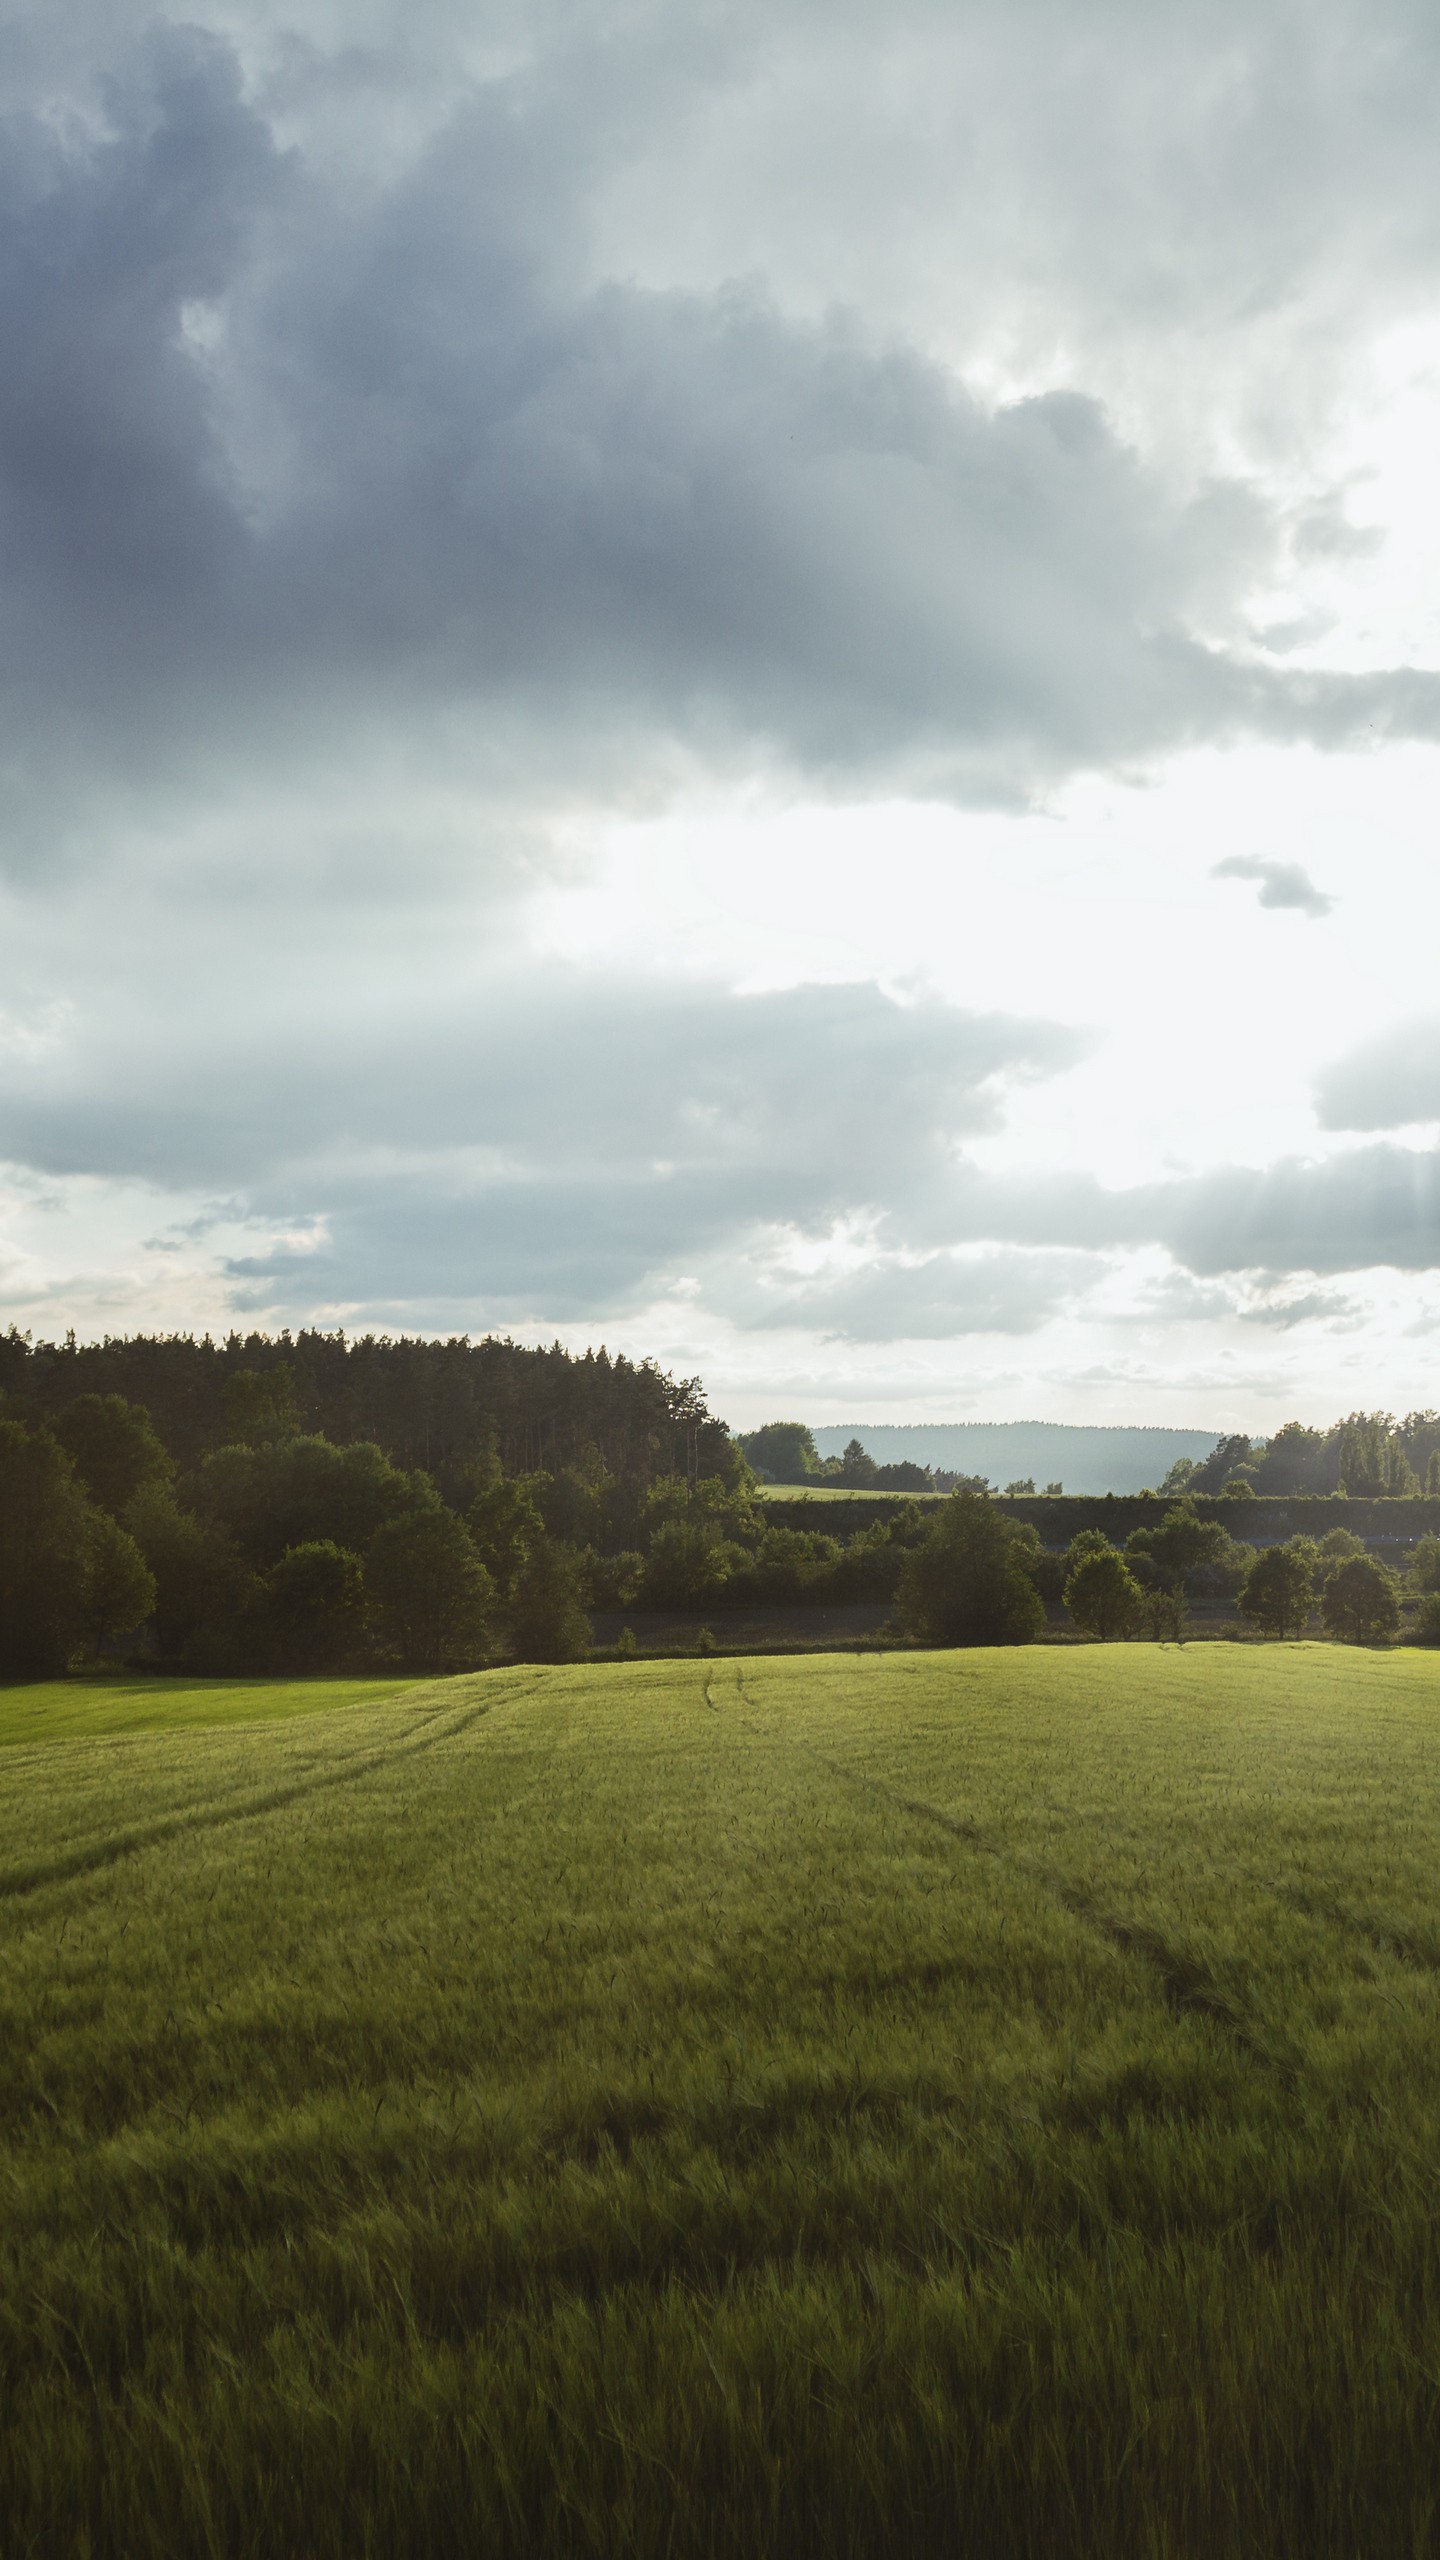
{"x":1279,"y":1588}
{"x":967,"y":1583}
{"x":428,"y":1594}
{"x":688,"y":1566}
{"x":611,"y":1582}
{"x":1102,"y":1594}
{"x":1361,"y":1602}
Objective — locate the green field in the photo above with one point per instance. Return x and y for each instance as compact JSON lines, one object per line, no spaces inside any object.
{"x":957,"y":2104}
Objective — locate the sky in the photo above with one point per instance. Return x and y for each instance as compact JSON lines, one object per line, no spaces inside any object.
{"x":756,"y":682}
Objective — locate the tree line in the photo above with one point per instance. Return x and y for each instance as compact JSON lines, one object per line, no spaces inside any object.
{"x":279,"y":1549}
{"x":980,"y":1577}
{"x":1365,"y":1454}
{"x":222,"y":1530}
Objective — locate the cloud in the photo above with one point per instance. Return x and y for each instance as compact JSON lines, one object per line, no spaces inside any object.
{"x":291,"y":464}
{"x":992,"y":1291}
{"x":538,"y":1138}
{"x":1282,"y":884}
{"x":1387,"y":1083}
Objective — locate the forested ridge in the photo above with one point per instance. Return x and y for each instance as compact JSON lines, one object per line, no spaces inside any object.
{"x":303,"y":1503}
{"x":437,"y":1405}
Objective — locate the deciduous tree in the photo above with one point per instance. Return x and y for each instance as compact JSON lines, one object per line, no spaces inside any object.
{"x":967,"y":1583}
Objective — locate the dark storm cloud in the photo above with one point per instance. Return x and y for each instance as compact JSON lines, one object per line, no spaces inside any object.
{"x":282,"y":459}
{"x":1282,"y":884}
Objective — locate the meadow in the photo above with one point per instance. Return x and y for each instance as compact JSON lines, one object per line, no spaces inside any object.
{"x":975,"y":2103}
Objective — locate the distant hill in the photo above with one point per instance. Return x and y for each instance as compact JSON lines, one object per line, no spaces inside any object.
{"x":1085,"y":1458}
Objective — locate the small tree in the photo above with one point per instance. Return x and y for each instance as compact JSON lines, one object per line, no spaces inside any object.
{"x":1360,"y":1602}
{"x":547,"y":1622}
{"x":428,"y":1593}
{"x":967,"y":1582}
{"x":1279,"y":1588}
{"x":1102,"y":1594}
{"x":314,"y":1606}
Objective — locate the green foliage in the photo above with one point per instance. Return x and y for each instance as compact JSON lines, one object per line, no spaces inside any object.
{"x":967,"y":1584}
{"x":781,"y":1452}
{"x":1337,"y":1547}
{"x":119,"y":1588}
{"x":794,"y":1565}
{"x":114,"y":1448}
{"x":1360,"y":1602}
{"x":291,"y":1492}
{"x":1279,"y":1588}
{"x":504,"y":1522}
{"x":69,"y":1575}
{"x":1187,"y":1553}
{"x":700,"y":2109}
{"x":314,"y":1607}
{"x":205,"y":1592}
{"x":1423,"y":1573}
{"x":688,"y":1565}
{"x":1426,"y":1629}
{"x":611,"y":1582}
{"x":1102,"y":1594}
{"x":1177,"y":1476}
{"x":258,"y":1406}
{"x":428,"y":1595}
{"x":547,"y":1618}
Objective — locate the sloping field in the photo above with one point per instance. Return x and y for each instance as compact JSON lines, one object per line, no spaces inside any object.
{"x":980,"y":2103}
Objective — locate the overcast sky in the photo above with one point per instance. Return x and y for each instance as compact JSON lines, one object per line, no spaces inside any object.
{"x":757,"y":681}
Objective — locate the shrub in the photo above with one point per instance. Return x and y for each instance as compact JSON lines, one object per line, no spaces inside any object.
{"x":1360,"y":1602}
{"x":688,"y":1565}
{"x":967,"y":1583}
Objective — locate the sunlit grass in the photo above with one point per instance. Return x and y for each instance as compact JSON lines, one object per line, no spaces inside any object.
{"x":972,"y":2103}
{"x":105,"y":1702}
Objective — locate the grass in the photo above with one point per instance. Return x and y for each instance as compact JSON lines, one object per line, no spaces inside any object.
{"x":113,"y":1702}
{"x":979,"y":2103}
